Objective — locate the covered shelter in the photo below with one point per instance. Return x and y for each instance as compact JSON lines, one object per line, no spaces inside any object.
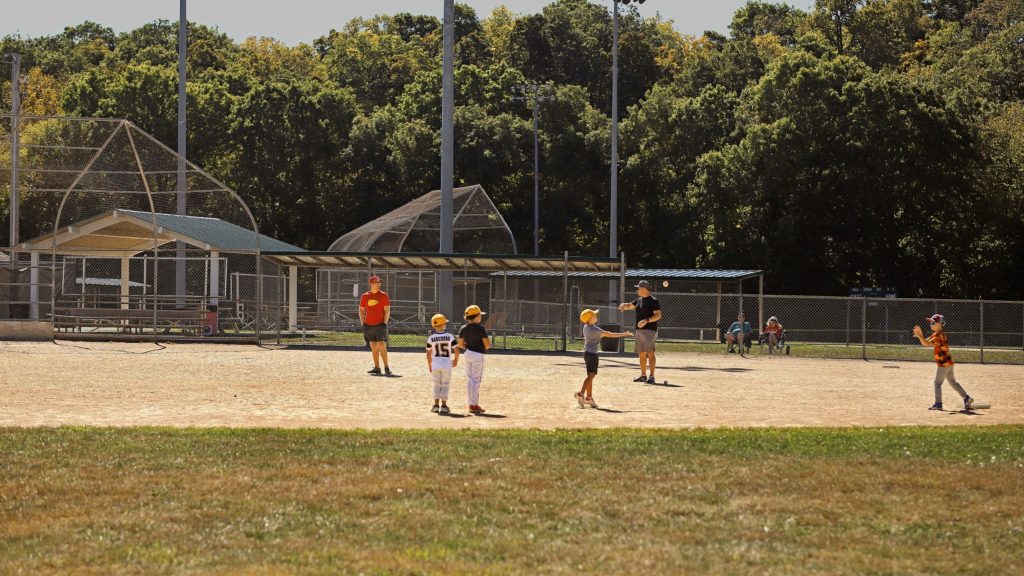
{"x":114,"y":260}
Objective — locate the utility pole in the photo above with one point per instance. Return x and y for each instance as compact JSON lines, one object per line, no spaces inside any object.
{"x":179,"y":284}
{"x":15,"y":144}
{"x":535,"y":93}
{"x":447,"y":154}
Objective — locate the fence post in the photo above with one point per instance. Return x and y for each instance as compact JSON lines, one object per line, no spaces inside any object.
{"x":981,"y":328}
{"x":848,"y":306}
{"x":864,"y":328}
{"x":504,"y":309}
{"x":276,"y":307}
{"x":622,"y":298}
{"x":565,"y":301}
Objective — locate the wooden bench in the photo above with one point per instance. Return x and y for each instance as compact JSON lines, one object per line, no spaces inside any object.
{"x":137,"y":320}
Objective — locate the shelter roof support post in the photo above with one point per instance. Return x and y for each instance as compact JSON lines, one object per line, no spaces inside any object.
{"x":293,"y":298}
{"x":33,"y":288}
{"x":277,"y":305}
{"x":565,"y":301}
{"x":214,"y":277}
{"x":760,"y":301}
{"x":125,"y":282}
{"x":718,"y":312}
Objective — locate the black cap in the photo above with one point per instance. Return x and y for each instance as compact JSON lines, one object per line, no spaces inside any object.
{"x":643,"y":284}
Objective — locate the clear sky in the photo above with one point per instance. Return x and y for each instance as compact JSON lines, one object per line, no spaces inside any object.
{"x":294,"y":21}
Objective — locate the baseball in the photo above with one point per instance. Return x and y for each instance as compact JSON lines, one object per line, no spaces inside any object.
{"x":664,"y":284}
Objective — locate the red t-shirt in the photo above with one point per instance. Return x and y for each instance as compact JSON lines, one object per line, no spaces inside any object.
{"x":374,"y":304}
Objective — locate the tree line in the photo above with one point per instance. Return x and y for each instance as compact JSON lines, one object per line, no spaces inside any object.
{"x":862,"y":143}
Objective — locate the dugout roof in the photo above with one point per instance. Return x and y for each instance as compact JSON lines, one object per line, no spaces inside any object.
{"x":652,"y":273}
{"x":554,"y":265}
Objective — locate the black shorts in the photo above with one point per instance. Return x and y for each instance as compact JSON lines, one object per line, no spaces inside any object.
{"x":375,"y":333}
{"x":590,"y":359}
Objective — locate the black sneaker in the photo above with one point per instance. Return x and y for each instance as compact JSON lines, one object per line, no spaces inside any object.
{"x":641,"y":378}
{"x":968,"y":401}
{"x":387,"y":371}
{"x":651,"y":380}
{"x":435,"y":409}
{"x":375,"y":371}
{"x":936,"y":406}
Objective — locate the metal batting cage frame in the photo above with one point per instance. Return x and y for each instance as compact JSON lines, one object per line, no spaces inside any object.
{"x":126,"y":241}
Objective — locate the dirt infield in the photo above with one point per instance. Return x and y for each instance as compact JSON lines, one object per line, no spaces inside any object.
{"x":116,"y":384}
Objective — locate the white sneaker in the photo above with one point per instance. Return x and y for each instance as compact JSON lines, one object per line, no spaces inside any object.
{"x":591,"y":403}
{"x":579,"y":398}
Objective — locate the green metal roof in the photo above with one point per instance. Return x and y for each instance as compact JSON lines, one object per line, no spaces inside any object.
{"x":217,"y":233}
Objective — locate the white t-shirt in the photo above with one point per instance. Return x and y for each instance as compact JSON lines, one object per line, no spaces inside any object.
{"x":441,"y":345}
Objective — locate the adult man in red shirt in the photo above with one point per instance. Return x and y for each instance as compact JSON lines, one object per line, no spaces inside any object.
{"x":374,"y":313}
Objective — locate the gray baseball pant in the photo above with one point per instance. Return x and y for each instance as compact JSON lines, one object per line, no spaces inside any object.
{"x":945,"y":373}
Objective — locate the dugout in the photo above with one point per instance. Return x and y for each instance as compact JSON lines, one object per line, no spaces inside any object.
{"x":491,"y":289}
{"x":724,"y":290}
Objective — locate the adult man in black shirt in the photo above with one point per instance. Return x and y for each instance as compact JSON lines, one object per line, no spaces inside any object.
{"x":648,"y":313}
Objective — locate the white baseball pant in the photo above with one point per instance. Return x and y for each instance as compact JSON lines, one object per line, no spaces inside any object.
{"x":442,"y":378}
{"x":474,"y":362}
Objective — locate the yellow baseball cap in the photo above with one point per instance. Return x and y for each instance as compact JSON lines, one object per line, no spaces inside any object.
{"x":473,"y":310}
{"x":438,"y":320}
{"x":587,"y":314}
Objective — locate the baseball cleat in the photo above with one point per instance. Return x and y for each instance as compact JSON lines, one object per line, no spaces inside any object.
{"x":375,"y":371}
{"x":651,"y":380}
{"x":579,"y":398}
{"x":641,"y":378}
{"x":435,"y":409}
{"x":968,"y":401}
{"x":591,"y":403}
{"x":444,"y":411}
{"x":387,"y":371}
{"x":936,"y":406}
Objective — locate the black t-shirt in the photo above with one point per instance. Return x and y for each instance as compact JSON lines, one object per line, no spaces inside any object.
{"x":474,"y":335}
{"x":645,"y":308}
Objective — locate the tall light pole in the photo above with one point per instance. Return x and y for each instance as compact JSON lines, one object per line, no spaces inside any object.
{"x":613,"y":223}
{"x":15,"y":60}
{"x":447,"y":152}
{"x":535,"y":93}
{"x":613,"y":219}
{"x":179,"y":284}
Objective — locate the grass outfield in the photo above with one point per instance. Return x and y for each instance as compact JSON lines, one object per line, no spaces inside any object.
{"x":893,"y":500}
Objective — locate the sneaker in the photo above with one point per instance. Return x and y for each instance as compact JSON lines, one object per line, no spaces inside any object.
{"x":387,"y":371}
{"x":591,"y":403}
{"x":732,"y":350}
{"x":651,"y":380}
{"x":579,"y":398}
{"x":641,"y":378}
{"x":936,"y":406}
{"x":375,"y":371}
{"x":968,"y":401}
{"x":435,"y":409}
{"x":444,"y":411}
{"x":476,"y":409}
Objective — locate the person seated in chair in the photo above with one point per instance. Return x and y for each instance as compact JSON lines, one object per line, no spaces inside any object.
{"x":772,"y":335}
{"x":738,"y":333}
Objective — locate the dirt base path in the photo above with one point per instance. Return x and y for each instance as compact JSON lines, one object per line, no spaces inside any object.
{"x":116,"y":384}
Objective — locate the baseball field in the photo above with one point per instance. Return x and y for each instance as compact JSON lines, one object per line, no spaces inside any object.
{"x":130,"y":458}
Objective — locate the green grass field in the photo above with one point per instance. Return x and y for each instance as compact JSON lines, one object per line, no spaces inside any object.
{"x":864,"y":501}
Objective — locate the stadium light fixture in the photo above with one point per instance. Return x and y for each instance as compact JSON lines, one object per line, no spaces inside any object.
{"x":535,"y":94}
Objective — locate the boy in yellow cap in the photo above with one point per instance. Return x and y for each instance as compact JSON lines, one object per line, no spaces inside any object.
{"x":592,"y":335}
{"x":440,"y":361}
{"x":475,"y":342}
